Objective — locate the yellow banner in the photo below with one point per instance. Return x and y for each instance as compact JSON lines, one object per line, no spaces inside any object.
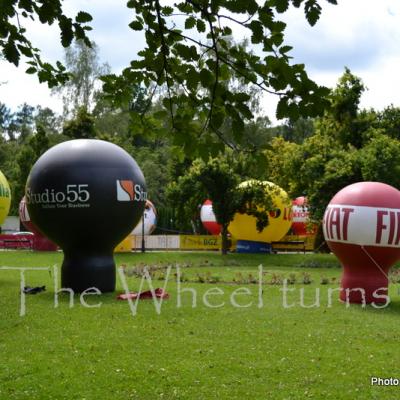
{"x":300,"y":243}
{"x":200,"y":242}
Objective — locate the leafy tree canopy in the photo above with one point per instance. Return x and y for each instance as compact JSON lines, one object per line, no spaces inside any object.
{"x":218,"y":180}
{"x":84,"y":69}
{"x":349,"y":145}
{"x":188,"y":51}
{"x":15,"y":43}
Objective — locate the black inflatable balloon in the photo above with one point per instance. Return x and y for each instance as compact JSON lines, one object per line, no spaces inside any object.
{"x":86,"y":195}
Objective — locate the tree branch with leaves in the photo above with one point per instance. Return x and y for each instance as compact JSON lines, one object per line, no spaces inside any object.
{"x":15,"y":43}
{"x":189,"y":42}
{"x":217,"y":180}
{"x":189,"y":51}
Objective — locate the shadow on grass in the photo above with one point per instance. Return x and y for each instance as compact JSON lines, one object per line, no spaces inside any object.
{"x":64,"y":298}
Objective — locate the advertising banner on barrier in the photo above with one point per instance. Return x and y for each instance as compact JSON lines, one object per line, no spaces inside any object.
{"x":295,"y":243}
{"x":158,"y":242}
{"x":200,"y":242}
{"x":252,"y":247}
{"x":173,"y":242}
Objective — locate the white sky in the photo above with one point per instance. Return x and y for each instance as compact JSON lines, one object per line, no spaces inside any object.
{"x":363,"y":35}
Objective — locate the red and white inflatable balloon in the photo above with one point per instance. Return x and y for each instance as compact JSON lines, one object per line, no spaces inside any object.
{"x":40,"y":242}
{"x":300,"y":216}
{"x":362,"y":228}
{"x":150,"y":220}
{"x":208,"y":219}
{"x":25,"y":218}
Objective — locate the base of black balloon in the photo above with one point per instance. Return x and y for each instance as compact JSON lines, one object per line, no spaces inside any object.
{"x":81,"y":272}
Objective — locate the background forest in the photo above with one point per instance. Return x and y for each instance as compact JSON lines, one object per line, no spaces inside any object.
{"x":309,"y":156}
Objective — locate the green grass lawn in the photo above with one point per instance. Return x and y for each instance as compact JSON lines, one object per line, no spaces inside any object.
{"x":264,"y":351}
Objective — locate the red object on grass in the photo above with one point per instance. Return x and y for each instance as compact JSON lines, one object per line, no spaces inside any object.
{"x":158,"y":294}
{"x":362,"y":228}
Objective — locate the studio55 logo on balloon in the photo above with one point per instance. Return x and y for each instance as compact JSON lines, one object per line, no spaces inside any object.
{"x":79,"y":195}
{"x":129,"y":191}
{"x":73,"y":196}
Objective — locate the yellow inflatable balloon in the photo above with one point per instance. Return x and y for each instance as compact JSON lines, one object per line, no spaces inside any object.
{"x":5,"y":198}
{"x":243,"y":226}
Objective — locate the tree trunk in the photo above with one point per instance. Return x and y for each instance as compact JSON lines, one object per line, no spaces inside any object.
{"x":320,"y":245}
{"x":225,"y":240}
